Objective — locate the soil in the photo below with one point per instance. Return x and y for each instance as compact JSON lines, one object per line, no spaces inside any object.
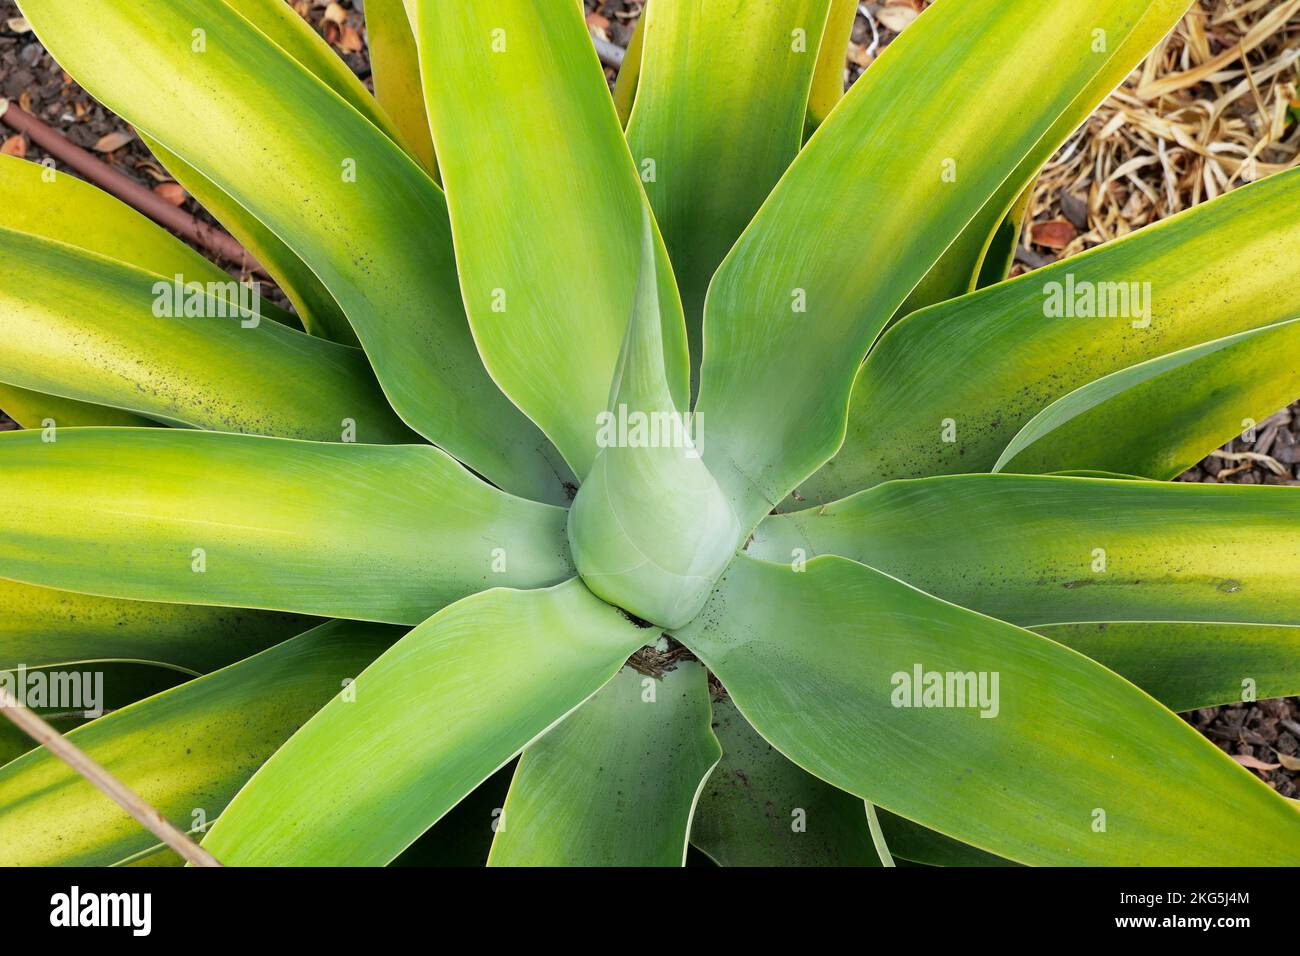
{"x":29,"y":77}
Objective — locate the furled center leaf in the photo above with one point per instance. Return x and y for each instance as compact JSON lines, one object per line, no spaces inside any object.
{"x":650,"y":529}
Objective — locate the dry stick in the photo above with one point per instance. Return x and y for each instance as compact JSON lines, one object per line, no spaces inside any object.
{"x":121,"y":794}
{"x":125,"y":188}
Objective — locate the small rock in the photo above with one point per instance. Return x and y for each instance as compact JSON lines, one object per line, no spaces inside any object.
{"x":1075,"y":210}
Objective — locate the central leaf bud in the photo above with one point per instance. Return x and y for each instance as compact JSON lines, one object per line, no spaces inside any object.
{"x":650,"y":530}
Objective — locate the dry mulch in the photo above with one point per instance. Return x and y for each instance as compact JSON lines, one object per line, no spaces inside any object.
{"x":1200,"y":118}
{"x":1266,"y":733}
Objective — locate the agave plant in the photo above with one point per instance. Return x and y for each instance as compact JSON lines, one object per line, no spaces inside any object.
{"x":689,"y":444}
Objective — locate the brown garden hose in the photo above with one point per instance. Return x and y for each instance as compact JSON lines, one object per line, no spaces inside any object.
{"x":92,"y":169}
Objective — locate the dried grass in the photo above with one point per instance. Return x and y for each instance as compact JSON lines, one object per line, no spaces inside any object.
{"x":1213,"y":107}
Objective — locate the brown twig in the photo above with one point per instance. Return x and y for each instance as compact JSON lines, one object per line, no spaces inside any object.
{"x":94,"y":170}
{"x":120,"y":793}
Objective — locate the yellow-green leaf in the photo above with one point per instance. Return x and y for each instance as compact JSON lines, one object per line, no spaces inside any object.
{"x":548,"y":235}
{"x":92,"y":329}
{"x":428,"y":722}
{"x":948,"y":388}
{"x":759,"y":809}
{"x":873,"y":200}
{"x":719,"y":115}
{"x":326,"y":181}
{"x":184,"y":752}
{"x":990,"y":734}
{"x":1045,"y":550}
{"x":395,"y":65}
{"x":615,"y":784}
{"x":371,"y":532}
{"x":1160,"y":417}
{"x":43,"y":626}
{"x":982,"y":253}
{"x":1188,"y":665}
{"x":828,"y":79}
{"x":38,"y":410}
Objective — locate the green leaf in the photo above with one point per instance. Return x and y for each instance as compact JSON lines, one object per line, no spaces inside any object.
{"x":464,"y":836}
{"x":43,"y":202}
{"x":759,"y":809}
{"x":1092,"y":473}
{"x":650,"y":530}
{"x":320,"y":314}
{"x":371,"y":532}
{"x":1058,"y":762}
{"x":44,"y":626}
{"x":69,"y":694}
{"x":1189,"y":665}
{"x":185,"y":751}
{"x":159,"y":855}
{"x":92,"y":329}
{"x":1001,"y":253}
{"x":878,"y":836}
{"x":828,"y":78}
{"x":302,"y":160}
{"x":281,"y":24}
{"x":1162,"y":416}
{"x":51,"y":205}
{"x":395,"y":64}
{"x":982,"y":253}
{"x":35,"y":410}
{"x":948,"y":388}
{"x":78,"y":691}
{"x":431,"y":719}
{"x":616,"y":783}
{"x":793,"y":309}
{"x":719,"y":115}
{"x":520,"y":82}
{"x":629,"y":74}
{"x":13,"y":742}
{"x":916,"y":844}
{"x":1046,"y":550}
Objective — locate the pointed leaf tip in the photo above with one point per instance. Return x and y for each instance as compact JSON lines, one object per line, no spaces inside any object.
{"x":650,"y":529}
